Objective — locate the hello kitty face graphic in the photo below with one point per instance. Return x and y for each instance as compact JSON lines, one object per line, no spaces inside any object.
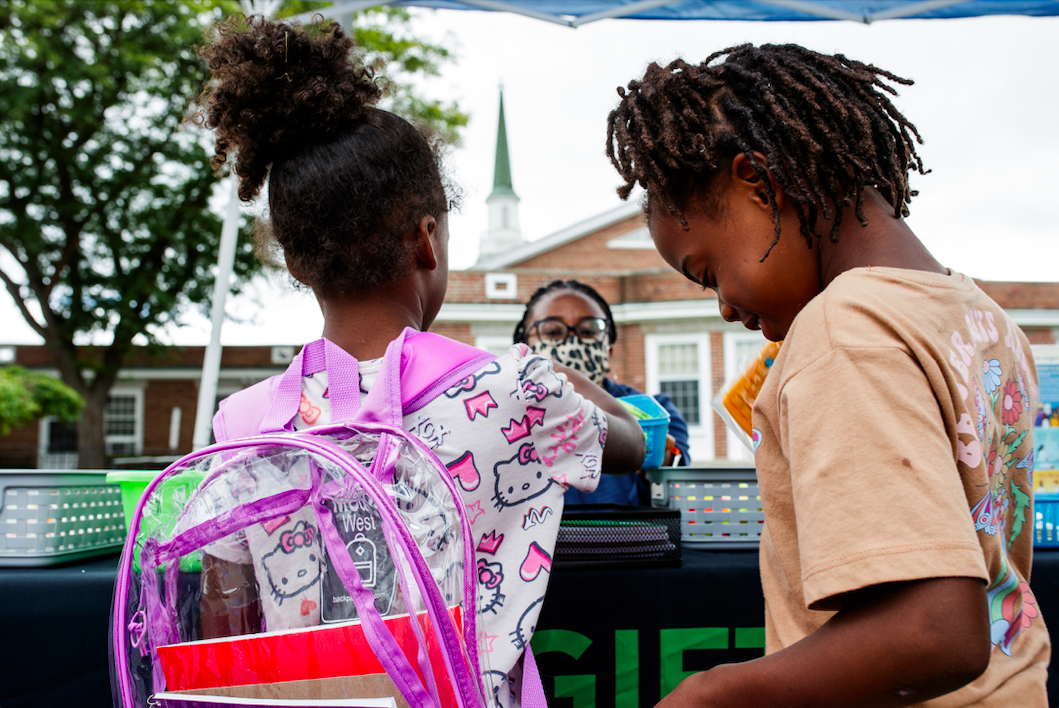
{"x":530,"y":390}
{"x":521,"y":478}
{"x":490,"y":577}
{"x":293,"y":566}
{"x":527,"y":624}
{"x":500,"y":682}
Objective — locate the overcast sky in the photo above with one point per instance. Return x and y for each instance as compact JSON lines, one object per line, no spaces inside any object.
{"x":986,"y":101}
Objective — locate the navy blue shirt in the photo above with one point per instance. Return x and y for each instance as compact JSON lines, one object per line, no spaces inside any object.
{"x":622,"y":489}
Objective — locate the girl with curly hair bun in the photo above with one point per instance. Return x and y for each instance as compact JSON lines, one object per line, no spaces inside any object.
{"x":895,"y":557}
{"x":357,"y":206}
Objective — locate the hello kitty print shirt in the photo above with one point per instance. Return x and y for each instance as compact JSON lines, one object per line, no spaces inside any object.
{"x":515,"y":436}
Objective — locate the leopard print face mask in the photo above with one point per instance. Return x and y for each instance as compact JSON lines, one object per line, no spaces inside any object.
{"x":590,"y":358}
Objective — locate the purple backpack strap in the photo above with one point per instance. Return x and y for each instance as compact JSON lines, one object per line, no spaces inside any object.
{"x":532,"y":686}
{"x":430,"y":365}
{"x":343,"y":382}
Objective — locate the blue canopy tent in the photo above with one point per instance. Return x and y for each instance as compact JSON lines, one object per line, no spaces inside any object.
{"x":575,"y":13}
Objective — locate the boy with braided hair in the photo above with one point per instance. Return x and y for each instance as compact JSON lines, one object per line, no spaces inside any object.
{"x":893,"y":434}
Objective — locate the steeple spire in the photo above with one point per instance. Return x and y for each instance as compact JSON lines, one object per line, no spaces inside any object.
{"x":503,"y":231}
{"x":502,"y":170}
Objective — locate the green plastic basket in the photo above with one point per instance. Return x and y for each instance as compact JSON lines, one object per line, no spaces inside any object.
{"x":173,"y":493}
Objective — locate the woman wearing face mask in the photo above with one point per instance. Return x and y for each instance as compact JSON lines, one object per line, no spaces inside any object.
{"x":570,"y":323}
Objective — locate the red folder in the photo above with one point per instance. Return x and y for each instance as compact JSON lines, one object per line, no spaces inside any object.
{"x":320,"y":652}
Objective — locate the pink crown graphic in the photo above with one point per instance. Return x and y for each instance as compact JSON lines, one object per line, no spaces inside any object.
{"x":518,"y":429}
{"x":490,"y":543}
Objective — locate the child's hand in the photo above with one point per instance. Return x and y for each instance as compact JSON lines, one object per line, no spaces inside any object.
{"x":671,"y":451}
{"x":578,"y":379}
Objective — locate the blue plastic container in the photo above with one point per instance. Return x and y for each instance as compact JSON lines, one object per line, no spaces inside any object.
{"x":654,"y":427}
{"x":1046,"y":520}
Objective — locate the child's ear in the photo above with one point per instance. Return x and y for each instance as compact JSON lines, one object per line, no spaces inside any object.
{"x":294,"y":270}
{"x":425,"y":246}
{"x":745,"y":176}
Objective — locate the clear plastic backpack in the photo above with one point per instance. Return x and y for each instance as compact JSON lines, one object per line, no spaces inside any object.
{"x":216,"y":599}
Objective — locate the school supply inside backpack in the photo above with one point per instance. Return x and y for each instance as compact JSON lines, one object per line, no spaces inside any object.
{"x":338,"y":562}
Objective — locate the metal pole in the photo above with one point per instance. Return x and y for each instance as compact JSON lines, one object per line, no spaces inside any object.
{"x":211,"y":363}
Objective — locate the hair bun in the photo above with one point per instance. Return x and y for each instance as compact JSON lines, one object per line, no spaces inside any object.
{"x":278,"y":87}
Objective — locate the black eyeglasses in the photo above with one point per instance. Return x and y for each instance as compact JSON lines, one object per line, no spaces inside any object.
{"x":553,"y":329}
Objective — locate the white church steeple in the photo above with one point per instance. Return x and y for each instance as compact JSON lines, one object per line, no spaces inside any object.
{"x":503,"y":233}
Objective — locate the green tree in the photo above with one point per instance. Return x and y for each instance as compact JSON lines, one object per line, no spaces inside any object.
{"x":105,"y":190}
{"x":26,"y":397}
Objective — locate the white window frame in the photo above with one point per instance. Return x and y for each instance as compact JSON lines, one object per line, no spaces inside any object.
{"x":69,"y":460}
{"x":700,"y":435}
{"x":501,"y":286}
{"x":732,"y":368}
{"x":52,"y":460}
{"x":136,"y":393}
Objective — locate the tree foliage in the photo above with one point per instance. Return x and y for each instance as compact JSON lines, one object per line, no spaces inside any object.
{"x":26,"y":397}
{"x":105,"y":189}
{"x":386,"y":37}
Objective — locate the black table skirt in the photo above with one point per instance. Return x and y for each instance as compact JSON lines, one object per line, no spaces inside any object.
{"x":54,"y":624}
{"x":621,"y":636}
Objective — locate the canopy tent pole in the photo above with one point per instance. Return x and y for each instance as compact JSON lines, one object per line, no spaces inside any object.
{"x":828,"y":13}
{"x":338,"y":9}
{"x":831,"y":13}
{"x":914,"y":9}
{"x":618,"y":11}
{"x":211,"y":362}
{"x":497,"y":6}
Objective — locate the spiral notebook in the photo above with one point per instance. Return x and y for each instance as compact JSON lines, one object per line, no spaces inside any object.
{"x":595,"y":534}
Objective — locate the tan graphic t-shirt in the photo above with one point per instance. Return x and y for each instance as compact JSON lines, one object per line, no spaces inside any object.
{"x":894,"y":438}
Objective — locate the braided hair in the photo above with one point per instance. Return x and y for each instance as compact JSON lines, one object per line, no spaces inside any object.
{"x":347,"y":181}
{"x":824,"y":123}
{"x":575,"y":285}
